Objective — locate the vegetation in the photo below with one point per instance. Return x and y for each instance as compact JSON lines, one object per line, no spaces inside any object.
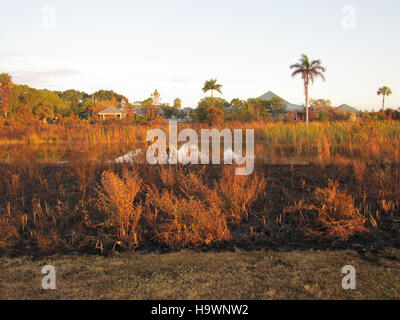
{"x":309,"y":71}
{"x":330,"y":183}
{"x":384,"y":91}
{"x":334,"y":183}
{"x":212,"y":85}
{"x":261,"y":274}
{"x":5,"y":92}
{"x":23,"y":106}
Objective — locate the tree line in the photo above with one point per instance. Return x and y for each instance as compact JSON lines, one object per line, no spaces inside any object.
{"x":24,"y":104}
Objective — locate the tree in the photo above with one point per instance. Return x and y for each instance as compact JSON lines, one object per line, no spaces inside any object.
{"x":177,"y":103}
{"x":215,"y":116}
{"x":86,"y":107}
{"x":44,"y":112}
{"x":384,"y":91}
{"x":5,"y":92}
{"x":277,"y":107}
{"x":25,"y":116}
{"x":58,"y":105}
{"x":212,"y":85}
{"x":151,"y":105}
{"x":309,"y":71}
{"x":74,"y":98}
{"x":320,"y":109}
{"x":200,"y":114}
{"x":106,"y":95}
{"x":156,"y":98}
{"x":169,"y":111}
{"x":255,"y":106}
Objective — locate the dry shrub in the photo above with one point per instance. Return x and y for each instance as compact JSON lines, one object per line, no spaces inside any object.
{"x":84,"y":170}
{"x":238,"y":193}
{"x":117,"y":197}
{"x":182,"y":221}
{"x":324,"y":150}
{"x":169,"y":176}
{"x":43,"y":229}
{"x":194,"y":185}
{"x":8,"y":230}
{"x":47,"y":227}
{"x":332,"y":215}
{"x":360,"y":170}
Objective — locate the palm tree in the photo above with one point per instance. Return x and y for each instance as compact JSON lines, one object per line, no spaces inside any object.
{"x":384,"y":91}
{"x":212,"y":85}
{"x":309,"y":71}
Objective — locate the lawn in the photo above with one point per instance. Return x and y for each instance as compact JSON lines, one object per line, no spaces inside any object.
{"x":205,"y":275}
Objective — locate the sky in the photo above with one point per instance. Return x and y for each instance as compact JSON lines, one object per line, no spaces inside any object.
{"x":134,"y":47}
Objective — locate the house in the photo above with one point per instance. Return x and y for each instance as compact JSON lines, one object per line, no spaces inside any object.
{"x":293,"y":111}
{"x":270,"y":95}
{"x":140,"y":111}
{"x":112,"y":112}
{"x":349,"y":110}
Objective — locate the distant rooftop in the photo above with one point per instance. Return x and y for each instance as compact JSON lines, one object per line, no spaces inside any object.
{"x":270,"y":95}
{"x":140,"y":111}
{"x":111,"y":110}
{"x":294,"y":107}
{"x":347,"y":108}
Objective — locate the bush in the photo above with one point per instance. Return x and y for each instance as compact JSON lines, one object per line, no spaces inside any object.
{"x":182,"y":222}
{"x":117,"y":196}
{"x":332,"y":214}
{"x":238,"y":193}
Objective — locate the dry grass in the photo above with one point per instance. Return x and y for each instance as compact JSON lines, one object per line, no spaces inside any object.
{"x":238,"y":193}
{"x":117,"y":197}
{"x":49,"y":207}
{"x":211,"y":275}
{"x":331,"y":215}
{"x":183,"y":222}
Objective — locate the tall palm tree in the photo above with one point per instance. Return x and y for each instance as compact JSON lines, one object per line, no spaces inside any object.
{"x":212,"y":85}
{"x":309,"y":71}
{"x":384,"y":91}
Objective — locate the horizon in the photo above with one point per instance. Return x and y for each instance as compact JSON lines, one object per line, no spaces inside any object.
{"x":134,"y":48}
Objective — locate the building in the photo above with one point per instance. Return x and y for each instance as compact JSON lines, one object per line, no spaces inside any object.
{"x":140,"y":111}
{"x":293,"y":111}
{"x":112,"y":113}
{"x":347,"y":108}
{"x":270,"y":95}
{"x":352,"y":112}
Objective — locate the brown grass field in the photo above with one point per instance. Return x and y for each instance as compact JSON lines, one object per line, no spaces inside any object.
{"x":205,"y":275}
{"x":328,"y":186}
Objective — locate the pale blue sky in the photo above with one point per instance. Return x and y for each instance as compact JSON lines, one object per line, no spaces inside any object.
{"x":134,"y":47}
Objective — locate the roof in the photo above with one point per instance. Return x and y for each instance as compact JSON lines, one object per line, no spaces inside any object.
{"x":140,"y":111}
{"x":294,"y":107}
{"x":269,"y":96}
{"x":347,"y":108}
{"x":111,"y":110}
